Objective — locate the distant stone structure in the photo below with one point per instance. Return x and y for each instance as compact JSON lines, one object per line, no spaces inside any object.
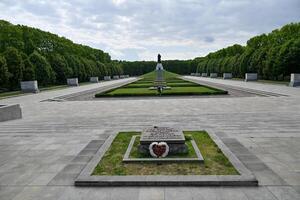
{"x":29,"y":86}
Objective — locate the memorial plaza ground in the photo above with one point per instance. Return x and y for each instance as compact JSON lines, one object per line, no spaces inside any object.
{"x":42,"y":154}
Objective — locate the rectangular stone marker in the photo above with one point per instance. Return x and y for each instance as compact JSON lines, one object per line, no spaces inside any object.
{"x":251,"y":77}
{"x":227,"y":75}
{"x":295,"y":80}
{"x":116,"y":77}
{"x":72,"y":82}
{"x":204,"y":74}
{"x":107,"y":78}
{"x":213,"y":75}
{"x":94,"y":79}
{"x":162,"y":134}
{"x":29,"y":86}
{"x":10,"y":112}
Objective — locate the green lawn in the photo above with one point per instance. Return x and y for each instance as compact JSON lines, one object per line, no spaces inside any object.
{"x":178,"y":87}
{"x":215,"y":162}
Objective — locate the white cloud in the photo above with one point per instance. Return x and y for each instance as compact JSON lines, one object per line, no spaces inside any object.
{"x":139,"y":29}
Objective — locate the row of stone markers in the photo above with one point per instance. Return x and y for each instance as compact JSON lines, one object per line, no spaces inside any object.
{"x":294,"y":82}
{"x":32,"y":86}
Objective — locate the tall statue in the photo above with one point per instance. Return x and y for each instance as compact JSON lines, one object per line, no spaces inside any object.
{"x":158,"y":58}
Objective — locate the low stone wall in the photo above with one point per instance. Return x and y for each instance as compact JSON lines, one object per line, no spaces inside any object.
{"x":72,"y":82}
{"x":94,"y":79}
{"x":29,"y":86}
{"x":10,"y":112}
{"x":193,"y":74}
{"x":107,"y":78}
{"x":251,"y":77}
{"x":295,"y":80}
{"x":227,"y":75}
{"x":127,"y":76}
{"x":213,"y":75}
{"x":122,"y":76}
{"x":116,"y":77}
{"x":204,"y":74}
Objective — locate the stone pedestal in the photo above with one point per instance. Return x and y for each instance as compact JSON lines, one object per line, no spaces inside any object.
{"x":173,"y":137}
{"x":204,"y":74}
{"x":251,"y":77}
{"x":72,"y":82}
{"x":227,"y":75}
{"x":107,"y":78}
{"x":116,"y":77}
{"x":10,"y":112}
{"x":213,"y":75}
{"x":29,"y":86}
{"x":295,"y":80}
{"x":94,"y":80}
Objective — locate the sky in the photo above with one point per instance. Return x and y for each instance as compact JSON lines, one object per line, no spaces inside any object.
{"x":140,"y":29}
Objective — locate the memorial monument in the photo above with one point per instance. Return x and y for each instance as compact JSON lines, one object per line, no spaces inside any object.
{"x":159,"y":83}
{"x":161,"y":141}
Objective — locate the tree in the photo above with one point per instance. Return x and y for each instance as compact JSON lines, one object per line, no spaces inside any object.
{"x":15,"y":66}
{"x":28,"y":71}
{"x":43,"y":71}
{"x":4,"y":75}
{"x":60,"y":67}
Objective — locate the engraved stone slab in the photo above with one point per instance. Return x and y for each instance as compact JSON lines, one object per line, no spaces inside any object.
{"x":162,"y":134}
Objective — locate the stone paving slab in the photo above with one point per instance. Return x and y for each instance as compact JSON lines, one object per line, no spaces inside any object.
{"x":267,"y":126}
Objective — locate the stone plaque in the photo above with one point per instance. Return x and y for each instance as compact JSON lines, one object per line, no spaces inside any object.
{"x":162,"y":134}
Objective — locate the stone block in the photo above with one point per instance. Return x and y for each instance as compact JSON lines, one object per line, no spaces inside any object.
{"x":29,"y":86}
{"x":213,"y":75}
{"x":127,"y":76}
{"x":107,"y":78}
{"x":227,"y":75}
{"x":116,"y":77}
{"x":204,"y":74}
{"x":193,"y":74}
{"x":251,"y":77}
{"x":72,"y":82}
{"x":10,"y":112}
{"x":94,"y":79}
{"x":295,"y":80}
{"x":122,"y":76}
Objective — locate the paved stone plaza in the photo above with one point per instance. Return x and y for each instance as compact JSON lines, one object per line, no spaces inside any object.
{"x":41,"y":154}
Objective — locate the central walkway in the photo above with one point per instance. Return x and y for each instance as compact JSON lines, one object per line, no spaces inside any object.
{"x":35,"y":150}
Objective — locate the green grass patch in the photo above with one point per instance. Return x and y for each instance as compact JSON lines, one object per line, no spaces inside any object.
{"x":215,"y":162}
{"x":178,"y":87}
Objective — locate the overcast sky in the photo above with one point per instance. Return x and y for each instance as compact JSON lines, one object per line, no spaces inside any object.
{"x":139,"y":29}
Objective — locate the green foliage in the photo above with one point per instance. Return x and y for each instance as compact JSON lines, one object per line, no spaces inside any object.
{"x":28,"y":72}
{"x":62,"y":57}
{"x":4,"y":75}
{"x":15,"y":66}
{"x":43,"y":71}
{"x":274,"y":56}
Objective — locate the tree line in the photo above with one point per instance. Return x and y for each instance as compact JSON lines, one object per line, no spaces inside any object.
{"x":273,"y":56}
{"x":31,"y":54}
